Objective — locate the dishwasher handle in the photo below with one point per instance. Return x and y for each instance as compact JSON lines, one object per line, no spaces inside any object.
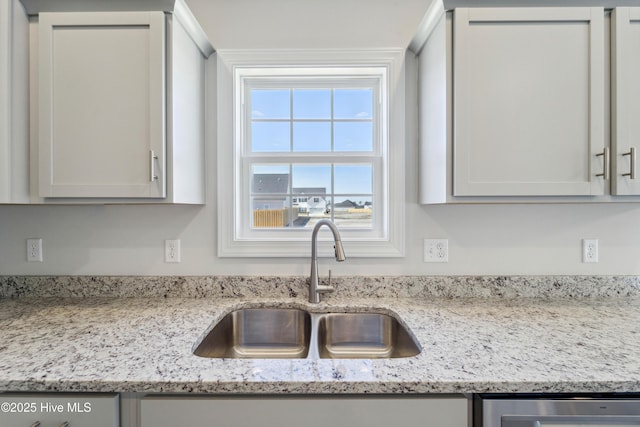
{"x":570,"y":420}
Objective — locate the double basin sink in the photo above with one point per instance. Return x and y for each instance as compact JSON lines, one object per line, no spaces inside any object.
{"x":291,"y":333}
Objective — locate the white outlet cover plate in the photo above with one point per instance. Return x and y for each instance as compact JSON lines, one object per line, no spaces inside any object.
{"x":34,"y":250}
{"x":589,"y":250}
{"x":436,"y":250}
{"x":172,"y":250}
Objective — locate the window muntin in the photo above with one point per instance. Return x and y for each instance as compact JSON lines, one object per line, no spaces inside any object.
{"x":320,"y":119}
{"x":342,"y":193}
{"x":313,"y":149}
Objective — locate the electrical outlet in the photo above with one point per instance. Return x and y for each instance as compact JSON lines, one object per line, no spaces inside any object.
{"x":172,"y":251}
{"x":589,"y":250}
{"x":436,"y":250}
{"x":34,"y":250}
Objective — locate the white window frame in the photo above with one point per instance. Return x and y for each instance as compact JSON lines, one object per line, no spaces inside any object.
{"x":337,"y":77}
{"x":235,"y":237}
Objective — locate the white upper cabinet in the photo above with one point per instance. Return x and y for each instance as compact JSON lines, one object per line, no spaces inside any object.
{"x":512,"y":105}
{"x":102,"y":104}
{"x":14,"y":105}
{"x":528,"y":101}
{"x":625,"y":100}
{"x":120,"y":105}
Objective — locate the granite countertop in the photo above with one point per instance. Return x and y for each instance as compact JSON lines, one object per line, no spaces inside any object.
{"x":469,"y":344}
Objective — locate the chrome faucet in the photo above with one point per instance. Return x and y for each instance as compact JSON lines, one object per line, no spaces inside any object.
{"x":316,"y":289}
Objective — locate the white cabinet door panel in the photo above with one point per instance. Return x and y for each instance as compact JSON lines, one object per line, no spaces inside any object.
{"x":311,"y":411}
{"x":528,"y":101}
{"x":625,"y":91}
{"x":102,"y":104}
{"x":53,"y":410}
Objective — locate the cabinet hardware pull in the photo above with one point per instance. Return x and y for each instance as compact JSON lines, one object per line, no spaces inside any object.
{"x":605,"y":163}
{"x":153,"y":158}
{"x":36,"y":424}
{"x":632,"y":163}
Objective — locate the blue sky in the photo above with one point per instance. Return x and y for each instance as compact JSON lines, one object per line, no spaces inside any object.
{"x":274,"y":110}
{"x":300,"y":120}
{"x":311,"y":103}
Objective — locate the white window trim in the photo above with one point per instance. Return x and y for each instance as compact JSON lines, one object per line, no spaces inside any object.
{"x":230,"y":242}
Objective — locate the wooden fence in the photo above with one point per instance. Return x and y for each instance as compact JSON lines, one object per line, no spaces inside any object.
{"x":272,"y":218}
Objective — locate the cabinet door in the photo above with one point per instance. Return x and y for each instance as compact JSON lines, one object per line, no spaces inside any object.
{"x":528,"y":101}
{"x":14,"y":103}
{"x":311,"y":411}
{"x":53,"y":410}
{"x":625,"y":92}
{"x":102,"y":104}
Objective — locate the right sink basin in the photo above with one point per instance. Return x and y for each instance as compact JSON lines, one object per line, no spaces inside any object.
{"x":363,"y":336}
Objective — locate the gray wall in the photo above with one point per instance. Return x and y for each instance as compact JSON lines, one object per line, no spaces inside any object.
{"x":483,"y":239}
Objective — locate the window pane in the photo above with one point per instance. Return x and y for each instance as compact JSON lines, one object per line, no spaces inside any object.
{"x":312,"y":104}
{"x":270,"y":179}
{"x":271,"y":212}
{"x":293,"y":139}
{"x":312,"y":136}
{"x":353,"y":212}
{"x":353,"y":179}
{"x":270,"y":137}
{"x":311,"y":208}
{"x":353,"y":104}
{"x":270,"y":104}
{"x":311,"y":179}
{"x":353,"y":136}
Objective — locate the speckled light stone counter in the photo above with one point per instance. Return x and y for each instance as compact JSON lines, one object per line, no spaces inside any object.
{"x":469,"y":344}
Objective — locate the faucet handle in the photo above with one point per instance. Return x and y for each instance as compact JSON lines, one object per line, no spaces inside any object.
{"x":326,"y":288}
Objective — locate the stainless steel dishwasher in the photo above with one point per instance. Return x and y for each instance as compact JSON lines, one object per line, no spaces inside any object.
{"x":556,"y":411}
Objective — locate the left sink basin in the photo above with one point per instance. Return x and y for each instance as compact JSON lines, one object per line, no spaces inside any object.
{"x":265,"y":333}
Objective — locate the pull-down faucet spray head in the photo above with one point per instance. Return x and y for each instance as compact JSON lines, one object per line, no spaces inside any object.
{"x":339,"y":251}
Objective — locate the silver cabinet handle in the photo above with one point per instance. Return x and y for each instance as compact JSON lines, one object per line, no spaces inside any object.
{"x":152,"y":159}
{"x":632,"y":163}
{"x":37,"y":424}
{"x":605,"y":163}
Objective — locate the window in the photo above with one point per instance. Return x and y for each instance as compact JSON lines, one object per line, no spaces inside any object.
{"x":319,"y":137}
{"x":309,"y":141}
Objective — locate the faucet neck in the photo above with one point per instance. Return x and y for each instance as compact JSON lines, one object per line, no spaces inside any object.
{"x":314,"y":288}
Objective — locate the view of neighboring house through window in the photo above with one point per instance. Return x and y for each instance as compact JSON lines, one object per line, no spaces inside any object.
{"x":312,"y":151}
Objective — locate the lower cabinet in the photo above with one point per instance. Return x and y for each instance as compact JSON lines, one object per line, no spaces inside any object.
{"x":307,"y":411}
{"x":59,"y":410}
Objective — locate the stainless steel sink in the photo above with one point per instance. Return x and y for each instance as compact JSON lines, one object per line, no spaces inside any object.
{"x":264,"y":333}
{"x":293,"y":334}
{"x":363,"y":336}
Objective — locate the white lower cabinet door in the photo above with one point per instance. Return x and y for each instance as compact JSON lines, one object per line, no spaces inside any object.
{"x":307,"y":411}
{"x":59,"y":410}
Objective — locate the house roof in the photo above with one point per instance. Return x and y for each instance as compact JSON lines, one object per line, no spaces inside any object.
{"x":271,"y":183}
{"x":346,"y":204}
{"x":320,"y":191}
